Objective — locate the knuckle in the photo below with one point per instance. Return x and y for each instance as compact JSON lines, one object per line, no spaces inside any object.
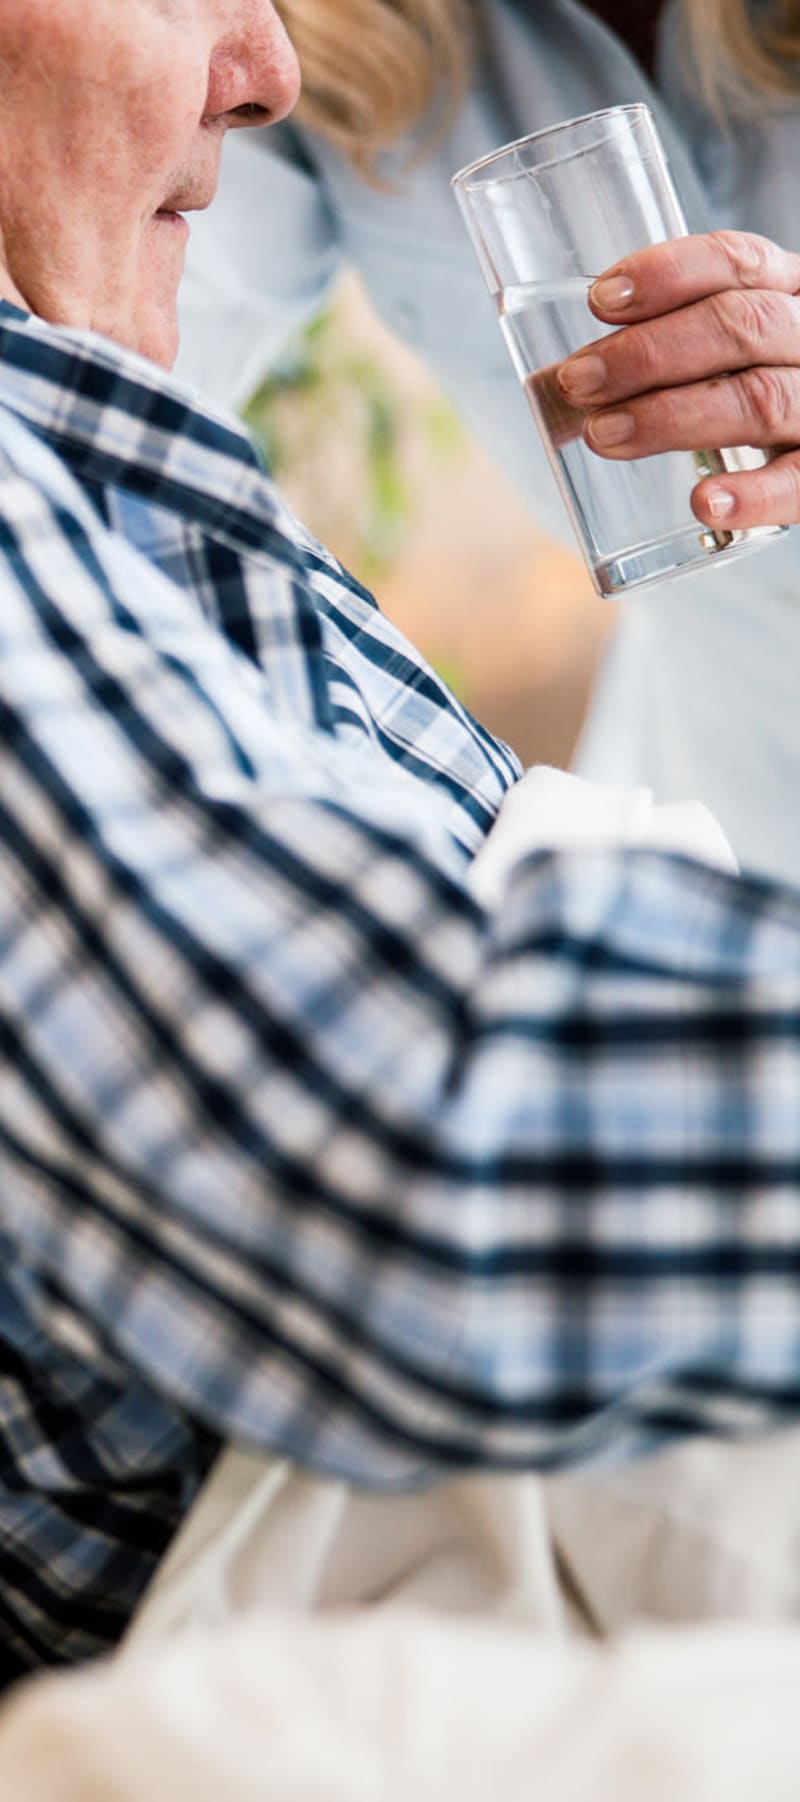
{"x":662,"y":416}
{"x":768,"y":399}
{"x":745,"y":320}
{"x":646,"y":357}
{"x":746,"y":255}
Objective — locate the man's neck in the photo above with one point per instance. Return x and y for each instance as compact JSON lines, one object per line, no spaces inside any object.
{"x":8,"y":287}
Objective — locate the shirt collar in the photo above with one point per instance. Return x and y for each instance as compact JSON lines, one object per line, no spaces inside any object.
{"x":122,"y":422}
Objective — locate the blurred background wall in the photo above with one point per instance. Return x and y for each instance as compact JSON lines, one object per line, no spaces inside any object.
{"x":374,"y":459}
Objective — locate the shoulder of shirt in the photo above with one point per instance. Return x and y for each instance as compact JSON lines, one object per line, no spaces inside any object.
{"x":27,"y":458}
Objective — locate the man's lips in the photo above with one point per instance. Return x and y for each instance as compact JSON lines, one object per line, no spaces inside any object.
{"x":172,"y":221}
{"x":193,"y":199}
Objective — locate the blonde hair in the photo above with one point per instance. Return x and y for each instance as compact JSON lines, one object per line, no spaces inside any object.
{"x":742,"y":53}
{"x":375,"y":70}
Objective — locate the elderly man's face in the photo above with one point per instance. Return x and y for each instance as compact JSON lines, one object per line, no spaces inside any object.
{"x":112,"y":116}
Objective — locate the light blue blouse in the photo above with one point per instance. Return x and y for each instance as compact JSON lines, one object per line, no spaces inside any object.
{"x":698,"y":694}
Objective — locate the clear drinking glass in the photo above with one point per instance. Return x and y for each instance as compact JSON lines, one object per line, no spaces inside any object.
{"x":547,"y":215}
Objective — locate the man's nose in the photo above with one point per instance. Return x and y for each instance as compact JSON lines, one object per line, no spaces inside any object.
{"x":255,"y":75}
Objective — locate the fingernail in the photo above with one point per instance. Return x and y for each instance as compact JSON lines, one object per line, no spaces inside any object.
{"x":582,"y":376}
{"x":613,"y":292}
{"x":611,"y":428}
{"x":721,"y":503}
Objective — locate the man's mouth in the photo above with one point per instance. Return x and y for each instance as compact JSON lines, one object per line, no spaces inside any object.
{"x":193,"y":196}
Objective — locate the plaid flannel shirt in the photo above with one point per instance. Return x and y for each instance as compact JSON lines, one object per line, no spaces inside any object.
{"x":299,"y":1146}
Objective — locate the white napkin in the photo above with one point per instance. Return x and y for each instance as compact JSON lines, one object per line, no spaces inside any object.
{"x":407,"y":1708}
{"x":549,"y":810}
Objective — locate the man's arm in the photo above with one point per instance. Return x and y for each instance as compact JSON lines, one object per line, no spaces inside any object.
{"x":344,"y":1164}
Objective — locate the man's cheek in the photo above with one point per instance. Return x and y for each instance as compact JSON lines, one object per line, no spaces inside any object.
{"x":133,"y":55}
{"x":162,"y":118}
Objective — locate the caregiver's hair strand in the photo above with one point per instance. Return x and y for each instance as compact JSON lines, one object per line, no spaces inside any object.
{"x":375,"y":70}
{"x":741,"y":52}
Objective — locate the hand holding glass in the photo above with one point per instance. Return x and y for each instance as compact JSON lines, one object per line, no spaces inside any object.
{"x":547,"y":215}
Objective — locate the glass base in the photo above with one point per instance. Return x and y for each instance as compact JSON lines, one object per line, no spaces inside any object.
{"x":681,"y":554}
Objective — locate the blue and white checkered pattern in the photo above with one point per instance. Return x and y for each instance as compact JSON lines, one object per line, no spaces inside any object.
{"x":298,"y":1145}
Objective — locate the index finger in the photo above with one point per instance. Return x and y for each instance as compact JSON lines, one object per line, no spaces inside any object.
{"x":663,"y":277}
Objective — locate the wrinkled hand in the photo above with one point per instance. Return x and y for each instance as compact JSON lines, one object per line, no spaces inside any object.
{"x":709,"y":356}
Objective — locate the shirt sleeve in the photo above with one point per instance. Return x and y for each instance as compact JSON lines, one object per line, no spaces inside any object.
{"x":346,"y":1165}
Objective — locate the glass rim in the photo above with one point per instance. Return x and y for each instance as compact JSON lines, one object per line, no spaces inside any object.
{"x":631,"y":108}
